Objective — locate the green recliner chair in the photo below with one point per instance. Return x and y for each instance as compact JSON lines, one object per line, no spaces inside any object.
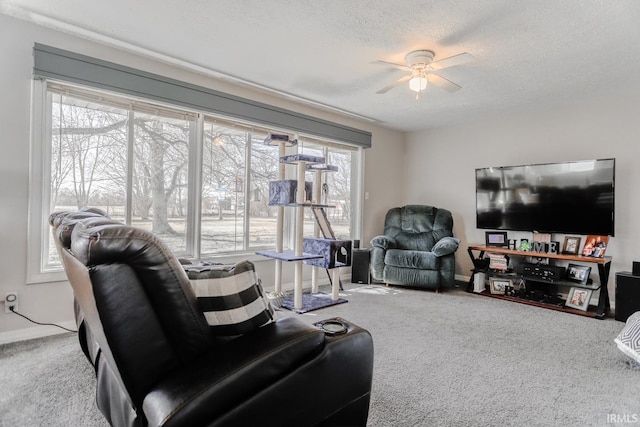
{"x":417,"y":248}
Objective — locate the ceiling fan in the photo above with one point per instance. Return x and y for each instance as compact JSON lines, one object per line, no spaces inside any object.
{"x":421,"y":69}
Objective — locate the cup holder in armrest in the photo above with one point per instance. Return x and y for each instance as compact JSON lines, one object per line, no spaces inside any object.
{"x":333,"y":327}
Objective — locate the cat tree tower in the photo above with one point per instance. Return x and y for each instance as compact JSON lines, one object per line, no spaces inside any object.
{"x":327,"y":252}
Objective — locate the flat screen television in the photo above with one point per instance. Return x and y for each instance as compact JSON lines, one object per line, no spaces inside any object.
{"x":567,"y":198}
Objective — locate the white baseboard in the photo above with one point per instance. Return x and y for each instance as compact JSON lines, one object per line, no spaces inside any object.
{"x":462,"y":278}
{"x":34,"y":332}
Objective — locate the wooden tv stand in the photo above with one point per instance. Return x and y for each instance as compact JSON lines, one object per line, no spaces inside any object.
{"x":604,"y":266}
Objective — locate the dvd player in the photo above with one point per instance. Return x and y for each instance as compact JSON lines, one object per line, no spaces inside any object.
{"x":545,"y":272}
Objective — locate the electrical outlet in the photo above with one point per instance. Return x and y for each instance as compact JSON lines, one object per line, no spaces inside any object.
{"x":10,"y":301}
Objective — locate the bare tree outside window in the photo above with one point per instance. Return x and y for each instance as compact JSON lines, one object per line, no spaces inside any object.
{"x":85,"y":144}
{"x":229,"y":192}
{"x":89,"y":146}
{"x":131,"y":159}
{"x":339,"y":193}
{"x":262,"y":217}
{"x":161,"y":157}
{"x":336,"y":191}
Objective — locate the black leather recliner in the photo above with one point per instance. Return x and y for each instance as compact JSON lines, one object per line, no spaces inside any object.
{"x":157,"y":362}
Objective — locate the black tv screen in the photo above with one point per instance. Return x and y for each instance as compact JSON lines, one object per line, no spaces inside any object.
{"x":568,"y":198}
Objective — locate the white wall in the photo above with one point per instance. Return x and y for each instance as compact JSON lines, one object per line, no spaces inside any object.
{"x":384,"y":182}
{"x":440,"y":164}
{"x":52,"y":302}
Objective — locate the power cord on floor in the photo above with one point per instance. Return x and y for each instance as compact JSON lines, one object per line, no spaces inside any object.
{"x":38,"y":323}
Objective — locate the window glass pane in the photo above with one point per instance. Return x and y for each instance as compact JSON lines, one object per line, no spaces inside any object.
{"x":262,"y":217}
{"x":338,"y":193}
{"x":335,"y":190}
{"x":160,"y":177}
{"x":223,"y":187}
{"x":309,"y":221}
{"x":88,"y":157}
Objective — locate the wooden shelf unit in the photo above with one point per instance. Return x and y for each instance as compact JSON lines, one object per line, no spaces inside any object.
{"x":603,"y":264}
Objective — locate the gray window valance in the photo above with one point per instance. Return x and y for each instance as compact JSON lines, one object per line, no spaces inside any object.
{"x":54,"y":63}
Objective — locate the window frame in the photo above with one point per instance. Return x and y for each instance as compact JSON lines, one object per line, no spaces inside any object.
{"x":39,"y":232}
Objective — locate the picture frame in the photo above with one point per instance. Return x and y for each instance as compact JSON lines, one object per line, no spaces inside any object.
{"x":496,"y":239}
{"x":595,"y":246}
{"x":578,"y":273}
{"x":571,"y":245}
{"x":578,"y":298}
{"x":498,"y":285}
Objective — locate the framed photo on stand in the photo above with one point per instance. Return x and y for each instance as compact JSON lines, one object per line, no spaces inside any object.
{"x":571,"y":245}
{"x":595,"y":246}
{"x":579,"y":298}
{"x":498,"y":285}
{"x":578,"y":273}
{"x":496,"y":238}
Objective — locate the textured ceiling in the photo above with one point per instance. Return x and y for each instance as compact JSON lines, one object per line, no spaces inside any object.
{"x":528,"y":53}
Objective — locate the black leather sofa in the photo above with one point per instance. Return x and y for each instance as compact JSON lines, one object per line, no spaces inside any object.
{"x":157,"y":363}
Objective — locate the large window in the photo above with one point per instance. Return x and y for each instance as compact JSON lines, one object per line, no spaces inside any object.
{"x":237,"y":167}
{"x":200,"y":182}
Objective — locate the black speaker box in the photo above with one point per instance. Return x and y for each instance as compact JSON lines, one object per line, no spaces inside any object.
{"x":627,"y":295}
{"x":360,"y":266}
{"x":636,"y":268}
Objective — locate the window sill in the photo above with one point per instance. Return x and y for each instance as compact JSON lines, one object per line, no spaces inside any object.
{"x":48,"y":277}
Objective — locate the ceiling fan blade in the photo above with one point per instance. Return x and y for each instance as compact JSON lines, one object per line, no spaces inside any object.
{"x":394,"y":84}
{"x":452,"y":61}
{"x":443,"y":83}
{"x":393,"y":64}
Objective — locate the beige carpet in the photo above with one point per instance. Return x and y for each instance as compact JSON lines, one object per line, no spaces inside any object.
{"x":448,"y":359}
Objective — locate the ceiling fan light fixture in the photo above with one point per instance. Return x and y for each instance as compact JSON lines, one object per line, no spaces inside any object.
{"x":421,"y":67}
{"x":418,"y":83}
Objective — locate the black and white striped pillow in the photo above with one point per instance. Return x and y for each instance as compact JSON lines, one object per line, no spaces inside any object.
{"x":231,"y":297}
